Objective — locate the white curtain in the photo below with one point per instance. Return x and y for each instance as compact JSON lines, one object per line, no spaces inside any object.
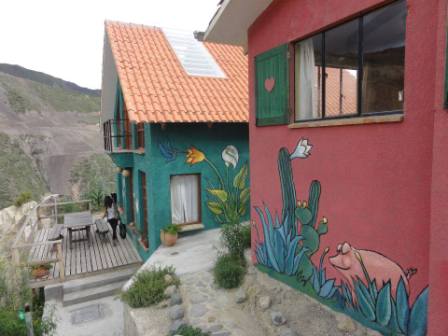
{"x":306,"y":81}
{"x":185,"y":199}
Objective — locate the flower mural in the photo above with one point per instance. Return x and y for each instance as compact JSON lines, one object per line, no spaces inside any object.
{"x":228,"y":200}
{"x":374,"y":289}
{"x":194,"y":156}
{"x":230,"y":156}
{"x":302,"y":151}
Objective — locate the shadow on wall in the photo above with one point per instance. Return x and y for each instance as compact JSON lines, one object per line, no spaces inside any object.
{"x":374,"y":289}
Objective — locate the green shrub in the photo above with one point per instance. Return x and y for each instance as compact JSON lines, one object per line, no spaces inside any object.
{"x":245,"y":232}
{"x":10,"y":325}
{"x":235,"y":238}
{"x":23,"y":198}
{"x":149,"y":287}
{"x":14,"y":293}
{"x":229,"y":271}
{"x":44,"y":325}
{"x":187,"y":330}
{"x":14,"y":289}
{"x":96,"y":198}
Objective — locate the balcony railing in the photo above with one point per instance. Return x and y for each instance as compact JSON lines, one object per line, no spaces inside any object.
{"x":117,"y":136}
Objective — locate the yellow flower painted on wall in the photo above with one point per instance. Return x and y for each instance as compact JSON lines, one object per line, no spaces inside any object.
{"x":228,"y":200}
{"x":194,"y":156}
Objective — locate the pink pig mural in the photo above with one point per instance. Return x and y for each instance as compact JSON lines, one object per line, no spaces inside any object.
{"x":369,"y":266}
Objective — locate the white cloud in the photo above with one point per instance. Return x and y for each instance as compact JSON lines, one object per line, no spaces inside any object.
{"x":65,"y":38}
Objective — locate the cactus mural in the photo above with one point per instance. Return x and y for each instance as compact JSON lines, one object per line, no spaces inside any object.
{"x":374,"y":289}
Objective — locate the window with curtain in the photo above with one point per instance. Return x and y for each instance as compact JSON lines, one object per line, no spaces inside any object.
{"x":354,"y":69}
{"x":185,"y":199}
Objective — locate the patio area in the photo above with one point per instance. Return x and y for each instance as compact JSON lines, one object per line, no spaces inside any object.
{"x":83,"y":258}
{"x":37,"y":244}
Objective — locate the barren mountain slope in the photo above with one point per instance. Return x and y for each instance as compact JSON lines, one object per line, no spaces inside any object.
{"x":54,"y":125}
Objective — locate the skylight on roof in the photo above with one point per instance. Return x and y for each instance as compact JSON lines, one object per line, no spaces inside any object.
{"x":192,"y":54}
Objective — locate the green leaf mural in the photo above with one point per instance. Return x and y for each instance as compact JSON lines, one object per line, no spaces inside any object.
{"x":215,"y":207}
{"x":244,"y":195}
{"x":220,"y":194}
{"x":240,"y":179}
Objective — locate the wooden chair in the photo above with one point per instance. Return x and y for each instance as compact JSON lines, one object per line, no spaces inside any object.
{"x":55,"y":234}
{"x":102,"y":228}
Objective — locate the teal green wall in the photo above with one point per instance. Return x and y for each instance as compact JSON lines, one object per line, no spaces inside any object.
{"x":210,"y":140}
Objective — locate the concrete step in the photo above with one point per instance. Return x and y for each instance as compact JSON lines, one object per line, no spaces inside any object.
{"x":90,"y":294}
{"x":75,"y":286}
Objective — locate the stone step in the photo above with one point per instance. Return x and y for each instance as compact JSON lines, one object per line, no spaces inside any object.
{"x":100,"y":280}
{"x":90,"y":294}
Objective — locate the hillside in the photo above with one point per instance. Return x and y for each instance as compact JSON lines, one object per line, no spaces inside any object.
{"x":40,"y":77}
{"x":24,"y":95}
{"x":47,"y":127}
{"x":18,"y":173}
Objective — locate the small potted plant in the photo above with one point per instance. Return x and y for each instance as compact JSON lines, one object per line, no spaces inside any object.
{"x":168,"y":235}
{"x":40,"y":271}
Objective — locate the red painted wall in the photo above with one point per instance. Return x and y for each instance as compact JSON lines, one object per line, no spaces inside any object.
{"x":438,"y":300}
{"x":377,"y":180}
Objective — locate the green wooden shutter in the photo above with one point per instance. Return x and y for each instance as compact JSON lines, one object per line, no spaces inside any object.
{"x":272,"y":87}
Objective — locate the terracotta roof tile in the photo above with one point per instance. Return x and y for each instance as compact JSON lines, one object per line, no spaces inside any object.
{"x":157,"y":89}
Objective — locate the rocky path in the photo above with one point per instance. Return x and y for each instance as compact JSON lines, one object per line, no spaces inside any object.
{"x":261,"y":307}
{"x":216,"y":310}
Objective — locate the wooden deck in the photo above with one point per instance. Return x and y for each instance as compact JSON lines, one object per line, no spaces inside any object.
{"x":84,"y":259}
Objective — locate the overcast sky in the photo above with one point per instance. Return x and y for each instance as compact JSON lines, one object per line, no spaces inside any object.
{"x":64,"y":38}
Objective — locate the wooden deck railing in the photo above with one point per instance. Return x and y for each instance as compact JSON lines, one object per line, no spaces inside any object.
{"x":27,"y":249}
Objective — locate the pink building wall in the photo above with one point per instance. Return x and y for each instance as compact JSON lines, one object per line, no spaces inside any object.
{"x":383,"y":185}
{"x":438,"y":301}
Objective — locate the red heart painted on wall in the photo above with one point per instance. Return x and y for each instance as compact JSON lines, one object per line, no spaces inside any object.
{"x":269,"y":84}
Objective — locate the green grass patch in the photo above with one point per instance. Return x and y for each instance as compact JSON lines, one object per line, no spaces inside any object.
{"x":188,"y":330}
{"x":149,"y":287}
{"x":23,"y":198}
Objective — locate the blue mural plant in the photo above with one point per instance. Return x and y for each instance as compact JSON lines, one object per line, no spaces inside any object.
{"x":395,"y":316}
{"x":325,"y":288}
{"x":279,"y":250}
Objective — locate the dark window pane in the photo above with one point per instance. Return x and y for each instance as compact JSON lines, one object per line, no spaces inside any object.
{"x":308,"y":78}
{"x":383,"y":75}
{"x":341,"y":73}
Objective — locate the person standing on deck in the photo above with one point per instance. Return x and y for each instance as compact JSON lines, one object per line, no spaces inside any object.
{"x":112,"y":216}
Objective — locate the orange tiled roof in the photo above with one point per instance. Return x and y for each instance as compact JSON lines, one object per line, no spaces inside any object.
{"x":157,"y":89}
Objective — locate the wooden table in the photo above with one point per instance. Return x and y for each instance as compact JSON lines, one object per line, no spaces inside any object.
{"x":78,"y":221}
